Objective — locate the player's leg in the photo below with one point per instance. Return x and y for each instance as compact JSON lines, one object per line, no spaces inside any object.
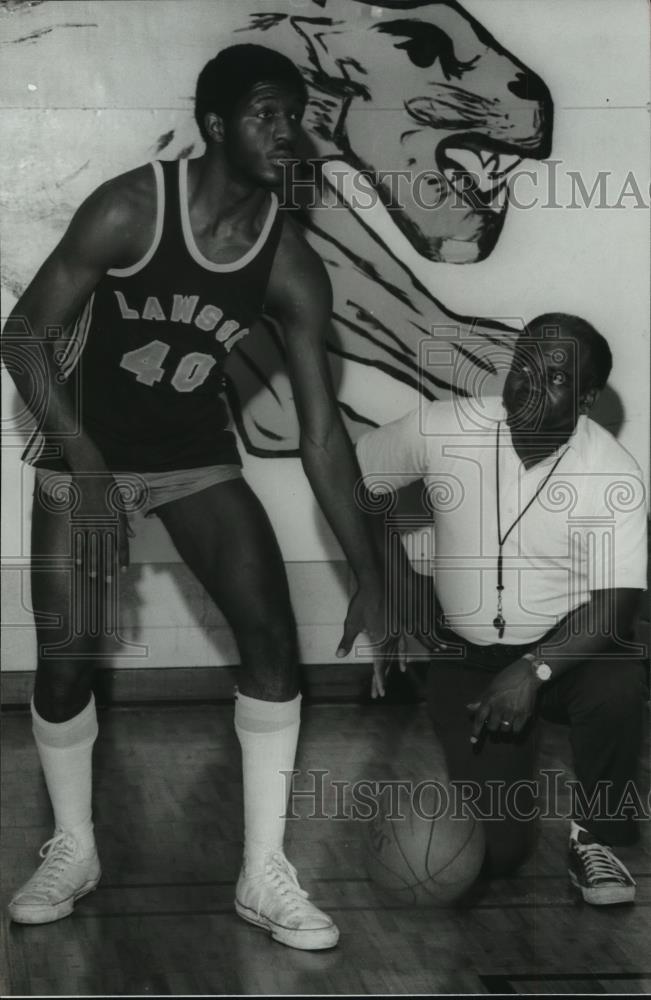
{"x":64,"y":721}
{"x":604,"y":703}
{"x":495,"y":774}
{"x":224,"y":535}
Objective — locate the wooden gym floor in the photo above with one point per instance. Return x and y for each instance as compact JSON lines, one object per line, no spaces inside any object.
{"x":168,"y":821}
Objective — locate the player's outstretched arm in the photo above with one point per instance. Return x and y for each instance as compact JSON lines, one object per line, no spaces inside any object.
{"x":300,"y":298}
{"x":104,"y":233}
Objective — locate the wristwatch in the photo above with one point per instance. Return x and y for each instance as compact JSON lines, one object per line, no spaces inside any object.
{"x":542,"y":670}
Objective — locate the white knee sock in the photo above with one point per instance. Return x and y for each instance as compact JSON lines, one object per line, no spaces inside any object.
{"x":268,"y":734}
{"x":65,"y":750}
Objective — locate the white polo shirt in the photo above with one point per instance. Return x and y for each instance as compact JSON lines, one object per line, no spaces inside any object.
{"x":585,"y":531}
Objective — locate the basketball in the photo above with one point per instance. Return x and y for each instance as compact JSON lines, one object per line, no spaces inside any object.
{"x":421,"y":852}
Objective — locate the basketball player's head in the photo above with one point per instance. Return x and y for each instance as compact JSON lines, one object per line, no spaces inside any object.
{"x":559,"y":366}
{"x":249,"y":104}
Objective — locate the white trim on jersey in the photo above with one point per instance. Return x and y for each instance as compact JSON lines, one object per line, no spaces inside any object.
{"x":67,"y":364}
{"x":34,"y":447}
{"x":127,"y":272}
{"x":78,"y":339}
{"x":192,"y":247}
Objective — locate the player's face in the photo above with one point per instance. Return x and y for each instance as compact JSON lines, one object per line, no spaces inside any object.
{"x":261,"y":135}
{"x":542,"y":390}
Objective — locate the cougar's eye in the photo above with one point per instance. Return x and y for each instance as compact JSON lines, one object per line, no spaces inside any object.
{"x":420,"y":52}
{"x":425,"y":44}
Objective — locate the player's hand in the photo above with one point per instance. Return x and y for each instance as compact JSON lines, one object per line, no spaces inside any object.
{"x":414,"y":595}
{"x":101,"y":541}
{"x":367,"y":613}
{"x":507,"y":703}
{"x":430,"y":641}
{"x":392,"y":651}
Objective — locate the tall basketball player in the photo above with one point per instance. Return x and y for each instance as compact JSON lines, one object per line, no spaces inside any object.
{"x":160,"y":273}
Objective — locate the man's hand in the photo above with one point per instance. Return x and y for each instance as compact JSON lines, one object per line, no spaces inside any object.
{"x":508,"y":701}
{"x":103,"y":532}
{"x":367,"y":613}
{"x":393,"y":650}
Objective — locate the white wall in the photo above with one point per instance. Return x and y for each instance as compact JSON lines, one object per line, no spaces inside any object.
{"x":87,"y":87}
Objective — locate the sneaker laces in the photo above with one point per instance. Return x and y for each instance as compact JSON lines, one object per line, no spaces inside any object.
{"x":57,"y":852}
{"x":601,"y":864}
{"x":281,"y":876}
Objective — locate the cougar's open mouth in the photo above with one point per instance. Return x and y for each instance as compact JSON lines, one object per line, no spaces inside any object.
{"x":478,"y":173}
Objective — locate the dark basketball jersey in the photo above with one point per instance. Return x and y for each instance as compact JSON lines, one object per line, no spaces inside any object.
{"x":144,"y":365}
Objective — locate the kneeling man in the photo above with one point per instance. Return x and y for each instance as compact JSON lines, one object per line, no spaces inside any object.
{"x":540,"y":558}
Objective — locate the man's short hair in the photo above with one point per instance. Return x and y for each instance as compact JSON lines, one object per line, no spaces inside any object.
{"x":594,"y":355}
{"x":228,"y":77}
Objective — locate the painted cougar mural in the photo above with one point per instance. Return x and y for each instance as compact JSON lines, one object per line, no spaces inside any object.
{"x":415,"y":89}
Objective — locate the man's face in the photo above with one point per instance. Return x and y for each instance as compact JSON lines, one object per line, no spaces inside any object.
{"x":542,"y":393}
{"x":261,"y":134}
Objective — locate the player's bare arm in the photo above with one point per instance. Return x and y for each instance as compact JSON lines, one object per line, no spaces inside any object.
{"x":299,"y":297}
{"x":112,"y":228}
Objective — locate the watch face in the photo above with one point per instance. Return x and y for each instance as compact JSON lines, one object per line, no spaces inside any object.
{"x":543,"y":671}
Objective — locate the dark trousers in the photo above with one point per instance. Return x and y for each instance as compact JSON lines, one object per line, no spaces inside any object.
{"x":602,"y":701}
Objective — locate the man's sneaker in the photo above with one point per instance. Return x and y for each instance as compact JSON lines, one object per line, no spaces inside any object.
{"x":272,"y":898}
{"x":64,"y":876}
{"x":594,"y":870}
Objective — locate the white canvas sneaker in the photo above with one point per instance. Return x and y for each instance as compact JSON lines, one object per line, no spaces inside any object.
{"x":597,"y":872}
{"x":64,"y":877}
{"x":271,"y":897}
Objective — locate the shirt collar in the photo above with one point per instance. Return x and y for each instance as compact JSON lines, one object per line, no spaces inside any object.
{"x":574,"y":442}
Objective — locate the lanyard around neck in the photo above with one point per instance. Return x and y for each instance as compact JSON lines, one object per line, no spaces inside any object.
{"x":498,"y":621}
